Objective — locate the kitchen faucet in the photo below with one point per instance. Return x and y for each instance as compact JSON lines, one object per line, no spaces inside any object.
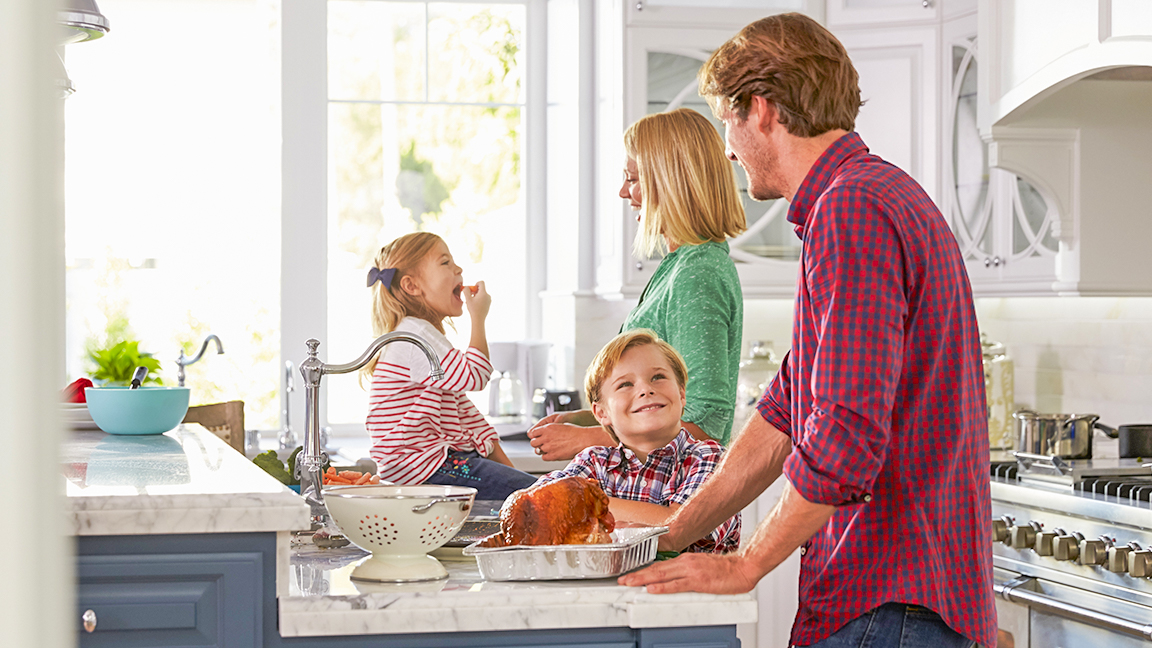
{"x":287,"y":435}
{"x":184,"y":361}
{"x":312,"y":457}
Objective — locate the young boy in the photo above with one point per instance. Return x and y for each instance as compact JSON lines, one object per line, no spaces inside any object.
{"x":636,"y":388}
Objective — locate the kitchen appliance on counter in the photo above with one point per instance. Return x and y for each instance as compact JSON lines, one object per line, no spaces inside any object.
{"x":1072,"y":551}
{"x":518,"y":370}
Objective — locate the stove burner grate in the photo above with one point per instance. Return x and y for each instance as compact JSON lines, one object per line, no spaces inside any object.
{"x":1133,"y":489}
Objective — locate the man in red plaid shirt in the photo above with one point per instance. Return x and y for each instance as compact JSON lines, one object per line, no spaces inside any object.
{"x":877,"y":416}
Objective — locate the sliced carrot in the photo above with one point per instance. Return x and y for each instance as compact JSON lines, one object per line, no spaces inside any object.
{"x":363,"y":479}
{"x":374,"y":480}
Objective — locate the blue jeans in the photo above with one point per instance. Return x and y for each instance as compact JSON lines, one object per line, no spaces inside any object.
{"x":491,"y":479}
{"x":896,"y":625}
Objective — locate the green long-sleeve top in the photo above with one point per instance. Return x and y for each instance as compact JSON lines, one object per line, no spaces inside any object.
{"x":694,"y":303}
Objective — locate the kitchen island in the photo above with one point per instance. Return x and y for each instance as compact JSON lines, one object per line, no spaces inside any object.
{"x":183,"y":541}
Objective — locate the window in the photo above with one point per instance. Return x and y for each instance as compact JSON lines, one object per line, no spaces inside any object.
{"x":426,"y":108}
{"x":172,"y":194}
{"x":176,"y":147}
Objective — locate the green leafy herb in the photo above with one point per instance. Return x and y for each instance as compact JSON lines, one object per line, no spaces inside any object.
{"x":115,"y":364}
{"x":273,"y":466}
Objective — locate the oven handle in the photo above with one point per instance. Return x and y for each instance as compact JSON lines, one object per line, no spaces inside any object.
{"x":1012,"y":591}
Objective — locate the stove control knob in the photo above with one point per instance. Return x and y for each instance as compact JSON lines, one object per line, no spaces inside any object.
{"x":1000,"y":529}
{"x":1118,"y":559}
{"x":1066,"y":547}
{"x":1044,"y":542}
{"x":1092,"y":552}
{"x":1022,"y":536}
{"x":1140,"y":564}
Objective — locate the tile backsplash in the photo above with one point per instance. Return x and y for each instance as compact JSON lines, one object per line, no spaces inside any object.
{"x":1071,"y":354}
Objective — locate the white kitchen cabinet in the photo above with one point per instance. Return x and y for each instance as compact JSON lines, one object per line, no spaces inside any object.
{"x":1007,"y":232}
{"x":885,"y":13}
{"x":1061,"y":90}
{"x":719,"y":13}
{"x":659,"y":74}
{"x":898,"y":83}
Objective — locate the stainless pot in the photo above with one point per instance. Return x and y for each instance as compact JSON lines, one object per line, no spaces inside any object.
{"x":1068,"y":436}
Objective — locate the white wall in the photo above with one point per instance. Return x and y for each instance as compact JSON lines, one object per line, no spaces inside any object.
{"x":1071,"y":354}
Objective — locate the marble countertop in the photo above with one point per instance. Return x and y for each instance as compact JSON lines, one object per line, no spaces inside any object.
{"x":323,"y":600}
{"x":186,"y":480}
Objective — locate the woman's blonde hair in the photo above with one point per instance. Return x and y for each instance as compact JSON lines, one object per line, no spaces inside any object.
{"x":390,"y":303}
{"x":605,"y":361}
{"x":686,"y":181}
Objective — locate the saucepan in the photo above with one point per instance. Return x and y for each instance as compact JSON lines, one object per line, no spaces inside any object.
{"x":1067,"y":436}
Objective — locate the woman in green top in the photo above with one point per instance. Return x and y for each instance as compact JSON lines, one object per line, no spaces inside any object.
{"x":680,"y":182}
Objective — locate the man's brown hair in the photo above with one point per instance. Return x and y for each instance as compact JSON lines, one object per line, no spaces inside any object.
{"x":790,"y":60}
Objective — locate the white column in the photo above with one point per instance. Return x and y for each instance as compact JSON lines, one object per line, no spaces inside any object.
{"x":37,"y":601}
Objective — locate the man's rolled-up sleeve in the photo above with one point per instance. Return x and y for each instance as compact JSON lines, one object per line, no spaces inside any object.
{"x":775,"y":405}
{"x":854,"y":275}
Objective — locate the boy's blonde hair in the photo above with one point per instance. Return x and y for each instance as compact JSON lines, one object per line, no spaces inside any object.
{"x":605,"y":361}
{"x":390,"y":304}
{"x":686,"y":181}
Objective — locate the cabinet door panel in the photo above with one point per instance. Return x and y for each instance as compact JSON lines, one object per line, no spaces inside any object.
{"x":171,"y":599}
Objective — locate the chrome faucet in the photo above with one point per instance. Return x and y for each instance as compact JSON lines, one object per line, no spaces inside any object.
{"x":312,"y":457}
{"x":287,"y":435}
{"x":184,"y":361}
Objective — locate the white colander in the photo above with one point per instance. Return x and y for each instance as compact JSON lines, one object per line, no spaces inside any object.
{"x":399,"y":525}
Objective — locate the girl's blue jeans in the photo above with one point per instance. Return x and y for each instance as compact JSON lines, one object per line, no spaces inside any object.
{"x":491,"y":479}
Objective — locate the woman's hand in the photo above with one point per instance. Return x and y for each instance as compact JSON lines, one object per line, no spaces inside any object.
{"x":559,"y":437}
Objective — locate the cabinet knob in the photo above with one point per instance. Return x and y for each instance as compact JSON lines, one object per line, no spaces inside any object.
{"x":639,"y":6}
{"x":89,"y":619}
{"x":926,"y":4}
{"x":639,"y":265}
{"x":1117,"y":560}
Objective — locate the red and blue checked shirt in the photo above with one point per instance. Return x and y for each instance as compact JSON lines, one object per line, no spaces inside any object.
{"x":882,"y":394}
{"x":413,"y":420}
{"x":669,"y":476}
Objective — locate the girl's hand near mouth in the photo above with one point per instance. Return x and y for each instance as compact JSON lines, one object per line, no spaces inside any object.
{"x":476,"y":300}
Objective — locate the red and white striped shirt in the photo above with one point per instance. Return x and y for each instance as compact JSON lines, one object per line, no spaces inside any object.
{"x":413,"y":420}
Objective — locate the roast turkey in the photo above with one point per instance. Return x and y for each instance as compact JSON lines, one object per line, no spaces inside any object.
{"x":571,"y":510}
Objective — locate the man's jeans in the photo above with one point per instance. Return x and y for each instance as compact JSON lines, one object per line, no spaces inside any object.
{"x":896,"y":625}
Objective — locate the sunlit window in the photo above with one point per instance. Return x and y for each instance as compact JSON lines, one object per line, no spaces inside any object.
{"x":172,"y":194}
{"x":425,"y":132}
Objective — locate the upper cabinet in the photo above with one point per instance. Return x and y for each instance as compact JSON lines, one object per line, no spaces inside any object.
{"x":849,"y":13}
{"x":663,"y":44}
{"x":1062,"y":97}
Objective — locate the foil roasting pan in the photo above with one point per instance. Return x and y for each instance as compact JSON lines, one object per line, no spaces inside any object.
{"x":631,"y":548}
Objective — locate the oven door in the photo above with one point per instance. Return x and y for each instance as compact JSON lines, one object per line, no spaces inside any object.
{"x":1037,"y":613}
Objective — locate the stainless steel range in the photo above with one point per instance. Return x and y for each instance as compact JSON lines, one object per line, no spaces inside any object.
{"x":1072,"y":552}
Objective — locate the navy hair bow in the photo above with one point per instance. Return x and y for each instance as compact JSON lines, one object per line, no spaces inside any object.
{"x":383,"y":276}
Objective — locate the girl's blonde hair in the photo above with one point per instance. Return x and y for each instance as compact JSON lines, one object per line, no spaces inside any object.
{"x":686,"y":181}
{"x":390,"y":303}
{"x":605,"y":361}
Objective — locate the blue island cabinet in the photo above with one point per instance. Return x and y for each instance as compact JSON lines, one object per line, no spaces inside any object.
{"x":219,"y":590}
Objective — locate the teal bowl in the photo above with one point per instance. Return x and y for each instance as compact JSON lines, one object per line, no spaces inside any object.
{"x":147,"y":410}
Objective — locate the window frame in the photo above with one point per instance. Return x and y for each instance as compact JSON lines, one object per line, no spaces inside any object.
{"x":304,"y":187}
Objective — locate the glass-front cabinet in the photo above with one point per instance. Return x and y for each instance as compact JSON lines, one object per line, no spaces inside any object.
{"x":1007,"y":231}
{"x":662,"y":72}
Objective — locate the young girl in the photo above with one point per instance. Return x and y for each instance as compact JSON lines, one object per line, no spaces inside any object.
{"x":426,"y":431}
